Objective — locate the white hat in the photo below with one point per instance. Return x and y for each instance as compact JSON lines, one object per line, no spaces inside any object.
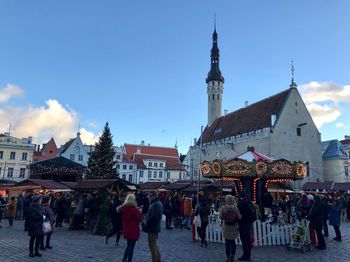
{"x":310,"y":197}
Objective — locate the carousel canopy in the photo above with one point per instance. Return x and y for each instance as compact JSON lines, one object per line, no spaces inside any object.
{"x":251,"y":155}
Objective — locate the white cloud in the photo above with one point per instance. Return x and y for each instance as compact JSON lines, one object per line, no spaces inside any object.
{"x":9,"y":91}
{"x":51,"y":120}
{"x":324,"y":100}
{"x":339,"y":125}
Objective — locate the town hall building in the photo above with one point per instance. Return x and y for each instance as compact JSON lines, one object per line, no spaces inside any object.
{"x":279,"y":126}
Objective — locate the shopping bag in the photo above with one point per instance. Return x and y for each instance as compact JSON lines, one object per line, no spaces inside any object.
{"x":47,"y":229}
{"x":197,"y":221}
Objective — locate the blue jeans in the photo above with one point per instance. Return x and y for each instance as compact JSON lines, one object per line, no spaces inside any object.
{"x":129,"y":250}
{"x":186,"y":221}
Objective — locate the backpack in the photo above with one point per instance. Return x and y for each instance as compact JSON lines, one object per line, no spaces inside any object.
{"x":251,"y":216}
{"x":230,"y":217}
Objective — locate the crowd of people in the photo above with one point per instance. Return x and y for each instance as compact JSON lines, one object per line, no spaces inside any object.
{"x":131,"y":213}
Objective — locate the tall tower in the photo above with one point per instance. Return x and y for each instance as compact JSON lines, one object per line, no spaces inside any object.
{"x":215,"y":83}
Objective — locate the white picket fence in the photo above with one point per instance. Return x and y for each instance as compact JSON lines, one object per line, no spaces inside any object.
{"x":265,"y":234}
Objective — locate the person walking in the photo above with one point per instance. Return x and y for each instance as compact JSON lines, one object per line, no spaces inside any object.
{"x":168,"y":212}
{"x":153,"y":223}
{"x":35,"y":226}
{"x":20,"y":207}
{"x":11,"y":210}
{"x":326,"y":209}
{"x":50,"y":216}
{"x":316,"y":221}
{"x":203,"y":210}
{"x":131,"y":219}
{"x":245,"y":224}
{"x":116,"y":220}
{"x":334,"y":218}
{"x":230,"y":215}
{"x":187,"y":213}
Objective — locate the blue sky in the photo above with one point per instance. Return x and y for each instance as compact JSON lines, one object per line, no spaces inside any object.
{"x":141,"y":65}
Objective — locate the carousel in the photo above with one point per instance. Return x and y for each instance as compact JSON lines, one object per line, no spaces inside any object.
{"x":254,"y":172}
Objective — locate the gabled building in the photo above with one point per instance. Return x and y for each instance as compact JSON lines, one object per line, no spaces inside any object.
{"x":155,"y":164}
{"x":279,"y":126}
{"x":48,"y":151}
{"x":127,"y":168}
{"x":75,"y":151}
{"x":15,"y":157}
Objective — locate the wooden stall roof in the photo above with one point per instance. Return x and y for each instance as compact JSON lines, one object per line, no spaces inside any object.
{"x":341,"y":186}
{"x":313,"y":186}
{"x":178,"y":185}
{"x":43,"y":184}
{"x":225,"y":183}
{"x":153,"y":185}
{"x":71,"y":185}
{"x":103,"y":183}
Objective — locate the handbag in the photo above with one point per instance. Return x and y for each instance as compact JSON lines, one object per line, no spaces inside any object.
{"x":47,"y":229}
{"x":197,"y":221}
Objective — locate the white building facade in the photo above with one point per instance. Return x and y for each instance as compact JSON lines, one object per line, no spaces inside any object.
{"x":75,"y":151}
{"x":15,"y":157}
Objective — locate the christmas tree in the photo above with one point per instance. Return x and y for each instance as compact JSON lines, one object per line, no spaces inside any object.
{"x":101,"y":163}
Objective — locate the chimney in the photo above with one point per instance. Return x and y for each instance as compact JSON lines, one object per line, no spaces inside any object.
{"x":225,"y":112}
{"x":245,"y":103}
{"x":142,"y":142}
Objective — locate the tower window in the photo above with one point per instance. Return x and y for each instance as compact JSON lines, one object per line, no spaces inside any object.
{"x":298,"y":131}
{"x":213,"y":96}
{"x":218,"y":96}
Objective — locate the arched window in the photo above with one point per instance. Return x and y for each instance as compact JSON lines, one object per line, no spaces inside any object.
{"x":218,"y":96}
{"x":213,"y":96}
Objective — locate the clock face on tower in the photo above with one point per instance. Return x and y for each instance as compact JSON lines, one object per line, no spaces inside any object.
{"x":77,"y":150}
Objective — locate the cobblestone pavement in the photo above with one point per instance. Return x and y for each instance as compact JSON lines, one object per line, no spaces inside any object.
{"x":175,"y":245}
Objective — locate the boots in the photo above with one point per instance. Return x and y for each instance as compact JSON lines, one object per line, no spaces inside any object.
{"x":229,"y":259}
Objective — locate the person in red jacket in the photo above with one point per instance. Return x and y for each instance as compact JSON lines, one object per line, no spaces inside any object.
{"x":131,"y":218}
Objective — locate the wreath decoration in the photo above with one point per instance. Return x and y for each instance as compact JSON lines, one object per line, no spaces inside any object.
{"x":260,"y":168}
{"x":205,"y":168}
{"x":301,"y":172}
{"x":216,"y":168}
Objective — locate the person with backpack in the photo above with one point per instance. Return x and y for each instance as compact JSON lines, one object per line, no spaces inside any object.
{"x":248,"y":212}
{"x":230,"y":216}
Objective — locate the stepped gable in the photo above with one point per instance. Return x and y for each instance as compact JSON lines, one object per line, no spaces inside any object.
{"x":251,"y":118}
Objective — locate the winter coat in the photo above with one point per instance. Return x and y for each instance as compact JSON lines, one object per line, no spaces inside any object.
{"x":116,"y":217}
{"x":230,"y":231}
{"x":154,"y":218}
{"x":188,"y":206}
{"x":203,"y":211}
{"x":131,"y":218}
{"x":35,"y":221}
{"x":334,"y":215}
{"x":11,"y":209}
{"x":167,"y":207}
{"x":244,"y":209}
{"x":316,"y":215}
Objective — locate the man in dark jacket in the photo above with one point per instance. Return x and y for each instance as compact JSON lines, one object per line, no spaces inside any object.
{"x":35,"y":226}
{"x":244,"y":226}
{"x":153,"y":223}
{"x":116,"y":219}
{"x":316,"y":221}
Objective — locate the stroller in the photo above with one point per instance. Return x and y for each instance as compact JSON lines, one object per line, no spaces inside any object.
{"x":301,"y":238}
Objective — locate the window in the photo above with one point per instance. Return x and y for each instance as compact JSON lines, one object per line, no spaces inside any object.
{"x":118,"y":156}
{"x":149,"y":173}
{"x":80,"y":157}
{"x":218,"y":96}
{"x":141,"y":173}
{"x":124,"y":176}
{"x":168,"y":175}
{"x":149,"y":163}
{"x":298,"y":131}
{"x":160,"y":174}
{"x":346,"y":169}
{"x":155,"y":174}
{"x":160,"y":164}
{"x":0,"y":170}
{"x":10,"y":172}
{"x":1,"y":154}
{"x":24,"y":156}
{"x":213,"y":96}
{"x":124,"y":167}
{"x":72,"y":157}
{"x":130,"y":178}
{"x":180,"y":176}
{"x":22,"y":172}
{"x":13,"y":155}
{"x":155,"y":164}
{"x":117,"y":166}
{"x":131,"y":167}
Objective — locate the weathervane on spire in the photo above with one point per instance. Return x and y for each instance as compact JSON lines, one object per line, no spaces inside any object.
{"x":215,"y":22}
{"x":293,"y":84}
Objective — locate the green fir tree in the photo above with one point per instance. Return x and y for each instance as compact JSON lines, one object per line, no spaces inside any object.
{"x":101,"y":163}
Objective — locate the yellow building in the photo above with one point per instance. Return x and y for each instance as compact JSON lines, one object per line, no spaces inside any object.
{"x":15,"y":157}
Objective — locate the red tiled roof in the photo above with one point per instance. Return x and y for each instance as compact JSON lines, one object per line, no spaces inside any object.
{"x":150,"y":150}
{"x":251,"y":118}
{"x":171,"y":163}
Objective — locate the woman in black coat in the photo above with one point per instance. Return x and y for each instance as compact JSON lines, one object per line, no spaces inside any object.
{"x":35,"y":226}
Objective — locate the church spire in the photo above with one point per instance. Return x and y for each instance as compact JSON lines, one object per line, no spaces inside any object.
{"x":215,"y":73}
{"x":293,"y":84}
